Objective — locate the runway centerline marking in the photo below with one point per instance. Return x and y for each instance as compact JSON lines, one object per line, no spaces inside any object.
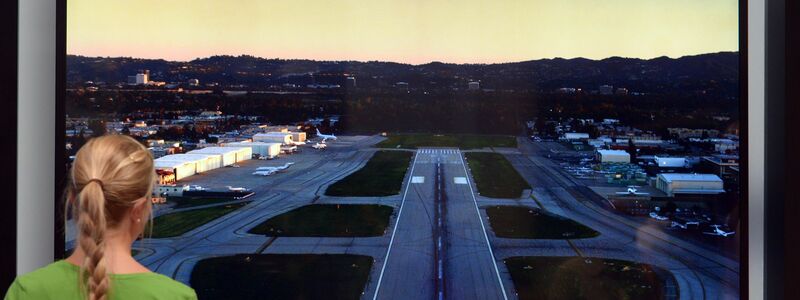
{"x":399,"y":214}
{"x":485,"y":236}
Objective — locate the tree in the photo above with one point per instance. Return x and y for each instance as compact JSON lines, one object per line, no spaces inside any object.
{"x":98,"y":127}
{"x":632,"y":149}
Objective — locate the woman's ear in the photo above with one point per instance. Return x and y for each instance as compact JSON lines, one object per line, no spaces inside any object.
{"x":139,"y":210}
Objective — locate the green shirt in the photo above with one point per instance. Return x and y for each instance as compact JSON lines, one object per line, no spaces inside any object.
{"x":59,"y":280}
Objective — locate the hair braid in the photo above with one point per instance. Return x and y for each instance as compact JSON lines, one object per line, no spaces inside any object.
{"x":92,"y":224}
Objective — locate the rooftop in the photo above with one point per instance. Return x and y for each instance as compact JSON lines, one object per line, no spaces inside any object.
{"x":670,"y":177}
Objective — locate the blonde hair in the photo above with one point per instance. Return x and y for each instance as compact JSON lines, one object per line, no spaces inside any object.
{"x":108,"y":175}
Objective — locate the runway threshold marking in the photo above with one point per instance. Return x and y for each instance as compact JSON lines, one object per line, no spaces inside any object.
{"x":399,"y":214}
{"x":485,"y":236}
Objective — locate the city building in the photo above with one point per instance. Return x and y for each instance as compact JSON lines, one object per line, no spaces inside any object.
{"x":350,"y":82}
{"x":622,"y":91}
{"x":674,"y":184}
{"x":473,"y":86}
{"x":606,"y":89}
{"x":613,"y":156}
{"x":575,"y":136}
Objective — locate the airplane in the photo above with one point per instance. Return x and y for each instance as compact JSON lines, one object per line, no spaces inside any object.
{"x":656,"y":216}
{"x":718,"y":230}
{"x":632,"y":191}
{"x":237,"y":189}
{"x":320,"y":146}
{"x":271,"y":170}
{"x":263,"y":173}
{"x":325,"y":136}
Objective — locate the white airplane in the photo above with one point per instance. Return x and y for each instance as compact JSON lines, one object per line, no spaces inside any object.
{"x":632,"y":191}
{"x":271,"y":170}
{"x":656,"y":216}
{"x":237,"y":189}
{"x":264,"y":173}
{"x":325,"y":136}
{"x":718,"y":230}
{"x":320,"y":146}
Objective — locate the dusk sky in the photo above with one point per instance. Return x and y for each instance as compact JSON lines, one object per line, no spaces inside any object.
{"x":411,"y":31}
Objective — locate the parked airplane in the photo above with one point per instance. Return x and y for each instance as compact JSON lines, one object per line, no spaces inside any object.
{"x":266,"y":171}
{"x":325,"y":136}
{"x":237,"y":189}
{"x":632,"y":191}
{"x":718,"y":230}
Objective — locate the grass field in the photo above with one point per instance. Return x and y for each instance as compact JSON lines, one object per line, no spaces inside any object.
{"x":531,"y":223}
{"x":463,"y":141}
{"x":573,"y":278}
{"x":381,"y":176}
{"x":176,"y":224}
{"x":329,"y":220}
{"x":281,"y":276}
{"x":494,"y":176}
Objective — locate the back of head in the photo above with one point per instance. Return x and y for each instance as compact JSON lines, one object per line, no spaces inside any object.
{"x":108,"y":175}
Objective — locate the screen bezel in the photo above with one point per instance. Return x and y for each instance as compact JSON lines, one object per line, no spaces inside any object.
{"x":744,"y":262}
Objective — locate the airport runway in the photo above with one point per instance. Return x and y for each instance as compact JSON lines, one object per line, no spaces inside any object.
{"x":407,"y":256}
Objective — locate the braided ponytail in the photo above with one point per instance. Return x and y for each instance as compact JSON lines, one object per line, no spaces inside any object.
{"x":92,"y":226}
{"x":109,"y":174}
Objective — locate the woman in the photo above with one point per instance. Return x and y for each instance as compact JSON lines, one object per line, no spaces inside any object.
{"x":109,"y":195}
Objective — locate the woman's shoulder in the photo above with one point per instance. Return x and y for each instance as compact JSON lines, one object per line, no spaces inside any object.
{"x":55,"y":278}
{"x":162,"y":286}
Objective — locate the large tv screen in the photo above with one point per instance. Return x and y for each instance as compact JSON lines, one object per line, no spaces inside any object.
{"x":425,"y":149}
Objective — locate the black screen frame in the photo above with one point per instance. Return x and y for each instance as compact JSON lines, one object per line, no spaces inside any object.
{"x":61,"y":178}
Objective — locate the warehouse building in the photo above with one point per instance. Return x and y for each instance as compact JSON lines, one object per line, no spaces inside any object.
{"x":274,"y":137}
{"x":268,"y":150}
{"x":298,"y":137}
{"x":181,"y":169}
{"x":576,"y":136}
{"x":670,"y":162}
{"x":203,"y":162}
{"x":228,"y":155}
{"x":613,"y":156}
{"x":674,"y":184}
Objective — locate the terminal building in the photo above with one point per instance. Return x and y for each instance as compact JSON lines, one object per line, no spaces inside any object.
{"x":613,"y":156}
{"x":674,"y":184}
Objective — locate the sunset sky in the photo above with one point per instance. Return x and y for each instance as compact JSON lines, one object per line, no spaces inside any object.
{"x":410,"y":31}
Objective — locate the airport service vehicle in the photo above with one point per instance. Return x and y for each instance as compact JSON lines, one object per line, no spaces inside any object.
{"x":718,"y":230}
{"x":288,"y":149}
{"x":325,"y":136}
{"x":320,"y":146}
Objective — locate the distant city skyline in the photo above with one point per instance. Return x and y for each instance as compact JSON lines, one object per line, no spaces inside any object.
{"x":414,"y":32}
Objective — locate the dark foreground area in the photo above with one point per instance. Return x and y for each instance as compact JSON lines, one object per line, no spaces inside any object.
{"x":281,"y":276}
{"x":576,"y":278}
{"x":531,"y":223}
{"x":329,"y":220}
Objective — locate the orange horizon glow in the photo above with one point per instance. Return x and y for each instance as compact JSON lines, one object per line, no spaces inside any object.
{"x":467,"y":31}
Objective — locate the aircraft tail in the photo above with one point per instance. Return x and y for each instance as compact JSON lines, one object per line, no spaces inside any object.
{"x":318,"y":133}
